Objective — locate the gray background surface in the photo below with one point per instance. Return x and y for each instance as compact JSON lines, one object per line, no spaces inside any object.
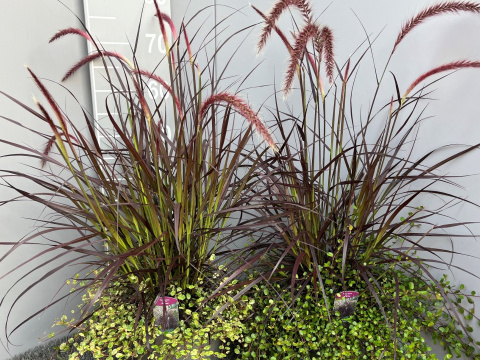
{"x":27,"y":25}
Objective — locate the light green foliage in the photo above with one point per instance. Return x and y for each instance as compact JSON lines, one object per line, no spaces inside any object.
{"x":302,"y":329}
{"x":111,"y":333}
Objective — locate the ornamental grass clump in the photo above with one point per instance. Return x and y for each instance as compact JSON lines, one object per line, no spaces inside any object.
{"x":345,"y":194}
{"x":154,"y":200}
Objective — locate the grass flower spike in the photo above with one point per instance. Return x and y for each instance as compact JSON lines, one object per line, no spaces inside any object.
{"x":325,"y":42}
{"x":169,"y":21}
{"x":455,"y":65}
{"x":243,"y":109}
{"x":309,"y":32}
{"x":88,"y":59}
{"x":71,"y":31}
{"x":276,"y":12}
{"x":436,"y":10}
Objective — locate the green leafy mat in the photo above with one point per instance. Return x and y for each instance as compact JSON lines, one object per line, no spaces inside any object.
{"x":47,"y":351}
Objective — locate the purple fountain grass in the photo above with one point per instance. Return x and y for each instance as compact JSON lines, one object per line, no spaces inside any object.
{"x":435,"y":10}
{"x":91,"y":57}
{"x":358,"y":184}
{"x":309,"y":32}
{"x":165,"y":86}
{"x":455,"y":65}
{"x":276,"y":12}
{"x":71,"y":31}
{"x":243,"y":109}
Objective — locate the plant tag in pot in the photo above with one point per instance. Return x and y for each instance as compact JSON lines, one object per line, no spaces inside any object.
{"x":165,"y":313}
{"x":345,"y":303}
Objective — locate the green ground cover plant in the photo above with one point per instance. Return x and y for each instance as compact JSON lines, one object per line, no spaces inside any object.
{"x":113,"y":331}
{"x":307,"y":329}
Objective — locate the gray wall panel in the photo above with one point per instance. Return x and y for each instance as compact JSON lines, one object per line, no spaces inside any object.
{"x":25,"y":29}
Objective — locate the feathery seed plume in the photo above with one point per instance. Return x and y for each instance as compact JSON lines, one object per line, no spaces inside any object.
{"x":169,"y":21}
{"x":276,"y":12}
{"x":309,"y":32}
{"x":243,"y":109}
{"x":326,"y":41}
{"x":54,"y":128}
{"x":435,"y":10}
{"x":69,"y":31}
{"x":277,"y":30}
{"x":51,"y":102}
{"x":455,"y":65}
{"x":162,"y":27}
{"x":92,"y":57}
{"x":48,"y":148}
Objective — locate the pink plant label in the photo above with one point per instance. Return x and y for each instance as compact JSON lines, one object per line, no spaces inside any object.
{"x":166,"y":301}
{"x":345,"y":303}
{"x":346,"y":295}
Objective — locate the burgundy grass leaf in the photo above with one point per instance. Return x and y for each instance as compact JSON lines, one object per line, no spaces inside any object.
{"x":435,"y":10}
{"x":456,"y":65}
{"x":276,"y":12}
{"x":243,"y":109}
{"x":69,"y":31}
{"x":309,"y":32}
{"x":165,"y":86}
{"x":90,"y":58}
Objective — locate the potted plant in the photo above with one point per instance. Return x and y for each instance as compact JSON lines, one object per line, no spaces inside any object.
{"x":149,"y":211}
{"x":350,"y":210}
